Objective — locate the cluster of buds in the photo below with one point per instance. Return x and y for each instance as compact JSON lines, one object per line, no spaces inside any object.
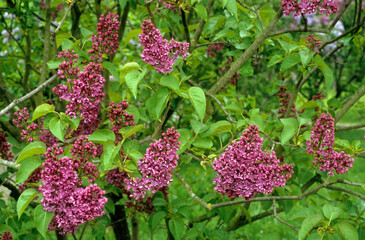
{"x":156,"y":166}
{"x":119,"y":118}
{"x":284,"y":97}
{"x":5,"y":151}
{"x":245,"y":170}
{"x":62,"y":191}
{"x":6,"y":236}
{"x":157,"y":50}
{"x":224,"y":69}
{"x":214,"y":49}
{"x":106,"y":40}
{"x":309,"y":7}
{"x":313,"y":43}
{"x":321,"y":145}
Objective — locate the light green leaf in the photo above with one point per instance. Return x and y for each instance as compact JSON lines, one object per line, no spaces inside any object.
{"x":60,"y":36}
{"x":274,"y":60}
{"x":246,"y":69}
{"x":122,"y":3}
{"x":26,"y":168}
{"x":198,"y":127}
{"x":201,"y":11}
{"x":289,"y":130}
{"x":129,"y":131}
{"x":25,"y":198}
{"x":31,"y":150}
{"x":305,"y":56}
{"x":348,"y":231}
{"x":172,"y":82}
{"x":197,"y":98}
{"x":134,"y":110}
{"x":331,"y":212}
{"x":86,"y":33}
{"x":42,"y":219}
{"x":161,"y":98}
{"x":218,"y":127}
{"x":41,"y":110}
{"x":54,"y":63}
{"x":232,"y":7}
{"x":288,"y":47}
{"x":131,"y":34}
{"x":177,"y":228}
{"x":327,"y":72}
{"x":290,"y":61}
{"x":67,"y":44}
{"x":128,"y":67}
{"x":135,"y":155}
{"x":133,"y":78}
{"x":203,"y":143}
{"x":110,"y":152}
{"x":57,"y":128}
{"x":307,"y":225}
{"x":102,"y":136}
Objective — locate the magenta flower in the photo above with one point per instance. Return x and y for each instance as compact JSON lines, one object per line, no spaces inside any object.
{"x":157,"y":51}
{"x":313,"y":43}
{"x":309,"y":6}
{"x":321,"y":145}
{"x":245,"y":170}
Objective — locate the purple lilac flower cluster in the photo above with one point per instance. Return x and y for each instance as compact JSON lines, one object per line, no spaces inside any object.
{"x":321,"y":145}
{"x":313,"y":43}
{"x":119,"y":118}
{"x":245,"y":170}
{"x":5,"y":151}
{"x":309,"y":6}
{"x":6,"y":236}
{"x":156,"y":166}
{"x":84,"y":93}
{"x":214,"y":49}
{"x":284,"y":97}
{"x":157,"y":50}
{"x":62,"y":191}
{"x":106,"y":40}
{"x":33,"y":131}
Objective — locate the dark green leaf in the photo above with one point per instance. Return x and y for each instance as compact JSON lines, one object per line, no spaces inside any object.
{"x":177,"y":228}
{"x":129,"y":131}
{"x":156,"y":218}
{"x":274,"y":60}
{"x":246,"y":69}
{"x":307,"y":225}
{"x":218,"y":127}
{"x":112,"y":69}
{"x":290,"y":61}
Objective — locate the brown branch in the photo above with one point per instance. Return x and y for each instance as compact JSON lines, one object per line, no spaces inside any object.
{"x":280,"y":220}
{"x":27,"y":96}
{"x":350,"y":102}
{"x":186,"y":28}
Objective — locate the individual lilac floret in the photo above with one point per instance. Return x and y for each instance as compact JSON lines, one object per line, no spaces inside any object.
{"x":156,"y":166}
{"x":106,"y":40}
{"x":245,"y":170}
{"x":157,"y":51}
{"x":6,"y":236}
{"x":321,"y":145}
{"x":309,"y":7}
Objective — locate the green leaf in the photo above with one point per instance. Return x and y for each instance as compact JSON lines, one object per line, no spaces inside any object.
{"x":54,"y":63}
{"x":131,"y":34}
{"x":232,"y":7}
{"x":26,"y":168}
{"x":4,"y":228}
{"x":198,"y":127}
{"x":134,"y":110}
{"x":129,"y":67}
{"x":112,"y":69}
{"x":110,"y":152}
{"x":201,"y":11}
{"x":133,"y":78}
{"x":102,"y":136}
{"x":156,"y":218}
{"x":327,"y":72}
{"x":172,"y":82}
{"x":86,"y":33}
{"x":246,"y":69}
{"x":203,"y":143}
{"x":218,"y":127}
{"x":288,"y":47}
{"x":177,"y":228}
{"x":55,"y":3}
{"x":331,"y":212}
{"x":305,"y":56}
{"x":67,"y":44}
{"x":348,"y":231}
{"x":57,"y":128}
{"x":31,"y":150}
{"x":290,"y":61}
{"x":197,"y":98}
{"x":73,"y":122}
{"x":122,"y":3}
{"x":41,"y":110}
{"x":289,"y":130}
{"x":161,"y":98}
{"x":307,"y":225}
{"x":60,"y":36}
{"x":24,"y":199}
{"x":42,"y":219}
{"x":274,"y":60}
{"x":129,"y":131}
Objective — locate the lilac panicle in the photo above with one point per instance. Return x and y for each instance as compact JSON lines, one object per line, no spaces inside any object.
{"x":245,"y":170}
{"x":321,"y":145}
{"x":156,"y":166}
{"x":157,"y":50}
{"x":309,"y":7}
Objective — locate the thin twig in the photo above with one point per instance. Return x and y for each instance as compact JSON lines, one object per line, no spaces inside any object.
{"x":9,"y":163}
{"x":280,"y":220}
{"x":347,"y":191}
{"x":63,"y":19}
{"x":27,"y":96}
{"x":221,"y":107}
{"x":254,"y":11}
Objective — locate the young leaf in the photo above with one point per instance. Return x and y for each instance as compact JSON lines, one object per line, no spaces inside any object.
{"x":289,"y":130}
{"x":327,"y":72}
{"x":31,"y":150}
{"x":25,"y":198}
{"x":41,"y":110}
{"x":42,"y":219}
{"x":307,"y":225}
{"x":102,"y":136}
{"x":26,"y":168}
{"x":129,"y":131}
{"x":197,"y":98}
{"x":57,"y":128}
{"x":232,"y":7}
